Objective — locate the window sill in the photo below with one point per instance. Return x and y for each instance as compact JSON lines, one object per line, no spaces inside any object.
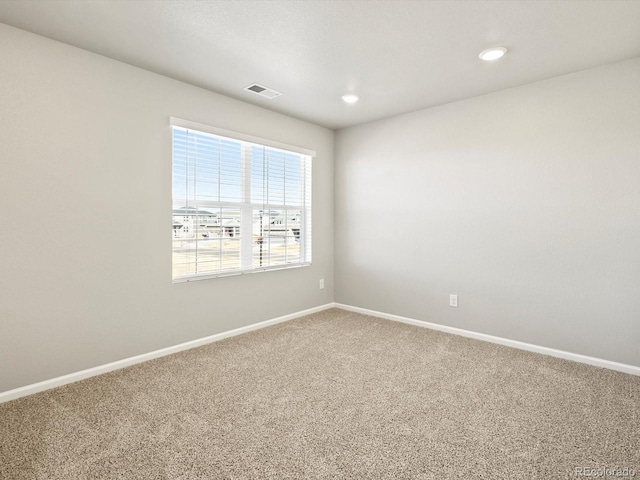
{"x":240,"y":272}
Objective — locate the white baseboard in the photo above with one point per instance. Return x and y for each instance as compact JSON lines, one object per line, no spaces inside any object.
{"x":596,"y":362}
{"x":92,"y":372}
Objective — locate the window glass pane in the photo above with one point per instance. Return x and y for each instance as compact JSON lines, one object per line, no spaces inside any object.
{"x":212,"y":190}
{"x":230,"y":168}
{"x":208,"y":256}
{"x":276,"y":237}
{"x":277,"y":253}
{"x":208,"y":222}
{"x":293,"y":236}
{"x":258,"y":175}
{"x":184,"y":222}
{"x":275,"y":168}
{"x":261,"y":220}
{"x":293,"y":180}
{"x":230,"y":222}
{"x":229,"y":235}
{"x":179,"y":164}
{"x":230,"y":255}
{"x":184,"y":257}
{"x":206,"y":168}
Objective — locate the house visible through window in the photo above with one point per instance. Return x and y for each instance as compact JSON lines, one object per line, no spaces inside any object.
{"x":240,"y":204}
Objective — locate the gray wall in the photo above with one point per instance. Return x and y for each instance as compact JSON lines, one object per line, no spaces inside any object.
{"x":85,"y":191}
{"x":525,"y":202}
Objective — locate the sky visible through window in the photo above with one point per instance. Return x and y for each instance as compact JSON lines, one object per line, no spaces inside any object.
{"x":209,"y":168}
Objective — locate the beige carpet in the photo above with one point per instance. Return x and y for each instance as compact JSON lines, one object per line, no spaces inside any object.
{"x":332,"y":395}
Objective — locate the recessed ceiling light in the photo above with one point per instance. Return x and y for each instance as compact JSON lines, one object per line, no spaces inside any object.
{"x":350,"y":98}
{"x":492,"y":54}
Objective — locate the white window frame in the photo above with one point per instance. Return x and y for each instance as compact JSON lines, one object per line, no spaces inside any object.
{"x":247,"y":207}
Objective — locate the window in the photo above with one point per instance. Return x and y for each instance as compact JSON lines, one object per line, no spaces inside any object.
{"x":240,"y":204}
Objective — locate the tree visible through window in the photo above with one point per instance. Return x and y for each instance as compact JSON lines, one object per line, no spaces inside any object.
{"x":238,"y":206}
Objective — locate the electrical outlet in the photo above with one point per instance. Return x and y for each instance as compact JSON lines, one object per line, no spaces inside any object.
{"x":321,"y":283}
{"x":453,"y":300}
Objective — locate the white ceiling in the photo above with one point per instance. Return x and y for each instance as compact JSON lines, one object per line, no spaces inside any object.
{"x":397,"y":55}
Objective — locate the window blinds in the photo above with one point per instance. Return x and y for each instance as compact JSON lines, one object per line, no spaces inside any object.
{"x":238,"y":206}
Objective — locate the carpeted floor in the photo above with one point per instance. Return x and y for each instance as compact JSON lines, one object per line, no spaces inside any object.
{"x":331,"y":395}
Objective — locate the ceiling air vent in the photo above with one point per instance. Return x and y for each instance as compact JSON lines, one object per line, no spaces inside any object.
{"x":262,"y":91}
